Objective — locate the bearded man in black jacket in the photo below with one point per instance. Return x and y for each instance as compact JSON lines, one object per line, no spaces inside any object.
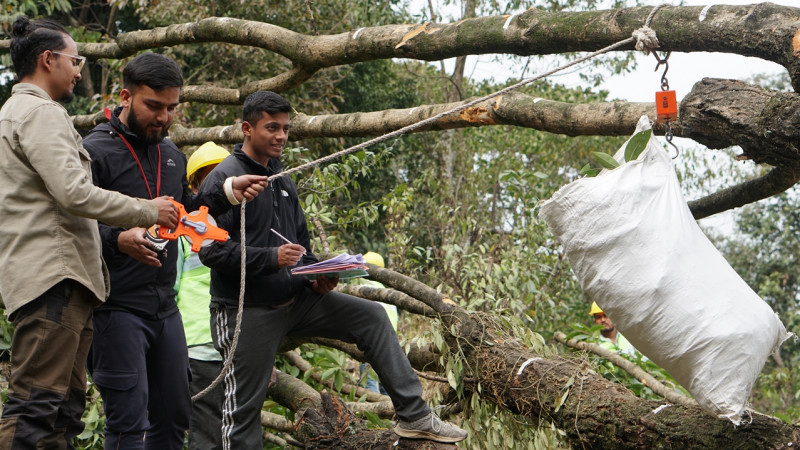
{"x":138,"y":358}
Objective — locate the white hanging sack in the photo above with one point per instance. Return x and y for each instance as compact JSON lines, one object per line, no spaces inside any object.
{"x":638,"y":252}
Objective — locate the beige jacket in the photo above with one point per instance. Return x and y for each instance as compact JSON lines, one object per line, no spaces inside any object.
{"x":48,"y":204}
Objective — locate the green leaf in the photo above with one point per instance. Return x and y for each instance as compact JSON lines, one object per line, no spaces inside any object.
{"x":327,"y":373}
{"x":588,"y":170}
{"x":451,"y":379}
{"x":373,"y":418}
{"x":606,"y":160}
{"x":338,"y":380}
{"x":637,"y":144}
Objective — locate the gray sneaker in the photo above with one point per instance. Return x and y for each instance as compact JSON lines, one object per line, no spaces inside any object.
{"x":430,"y":427}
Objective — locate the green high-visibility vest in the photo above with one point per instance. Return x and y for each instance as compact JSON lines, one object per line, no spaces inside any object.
{"x":193,"y":285}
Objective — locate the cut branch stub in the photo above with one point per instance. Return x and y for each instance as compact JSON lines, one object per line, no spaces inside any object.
{"x":766,"y":124}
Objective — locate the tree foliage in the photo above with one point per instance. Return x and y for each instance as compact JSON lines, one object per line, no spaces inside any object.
{"x":455,"y":209}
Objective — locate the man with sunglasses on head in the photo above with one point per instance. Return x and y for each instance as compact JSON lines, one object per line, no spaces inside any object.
{"x":52,"y":273}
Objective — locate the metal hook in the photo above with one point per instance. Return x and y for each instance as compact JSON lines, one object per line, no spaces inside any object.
{"x":665,"y":63}
{"x":668,"y":136}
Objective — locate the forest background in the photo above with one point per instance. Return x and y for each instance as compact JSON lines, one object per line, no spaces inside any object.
{"x":455,"y":209}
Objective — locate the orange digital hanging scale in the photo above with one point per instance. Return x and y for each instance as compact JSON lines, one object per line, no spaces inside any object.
{"x":666,"y":107}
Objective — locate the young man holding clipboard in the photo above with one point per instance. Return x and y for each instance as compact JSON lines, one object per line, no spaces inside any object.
{"x":278,"y":304}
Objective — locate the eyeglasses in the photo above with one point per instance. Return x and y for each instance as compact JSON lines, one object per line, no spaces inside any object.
{"x":77,"y":60}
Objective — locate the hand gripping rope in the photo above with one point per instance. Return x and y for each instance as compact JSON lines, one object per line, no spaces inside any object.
{"x":645,"y":40}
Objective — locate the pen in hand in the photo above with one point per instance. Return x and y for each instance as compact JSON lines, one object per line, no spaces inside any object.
{"x":284,"y":239}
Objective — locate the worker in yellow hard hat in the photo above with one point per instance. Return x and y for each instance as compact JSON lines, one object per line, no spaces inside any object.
{"x":610,"y":338}
{"x":374,"y":258}
{"x":192,"y":286}
{"x":206,"y":157}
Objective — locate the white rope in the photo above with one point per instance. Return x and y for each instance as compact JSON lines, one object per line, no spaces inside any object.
{"x":644,"y":37}
{"x":226,"y":366}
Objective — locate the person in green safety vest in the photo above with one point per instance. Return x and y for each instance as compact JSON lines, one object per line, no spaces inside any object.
{"x":391,"y":310}
{"x":610,"y":338}
{"x":192,"y":285}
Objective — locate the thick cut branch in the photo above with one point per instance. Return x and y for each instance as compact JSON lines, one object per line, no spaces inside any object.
{"x":721,"y":113}
{"x":765,"y":31}
{"x":595,"y":119}
{"x":293,"y":393}
{"x":596,"y":413}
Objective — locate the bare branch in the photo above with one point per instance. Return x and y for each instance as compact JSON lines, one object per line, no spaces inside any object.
{"x":384,"y":410}
{"x":390,"y":296}
{"x":276,"y":422}
{"x":749,"y":30}
{"x":646,"y":379}
{"x":777,"y":180}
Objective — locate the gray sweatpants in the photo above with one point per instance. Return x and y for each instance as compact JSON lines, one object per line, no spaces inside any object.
{"x":334,"y":315}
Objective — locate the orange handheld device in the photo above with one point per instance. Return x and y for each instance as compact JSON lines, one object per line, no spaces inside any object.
{"x":198,"y":227}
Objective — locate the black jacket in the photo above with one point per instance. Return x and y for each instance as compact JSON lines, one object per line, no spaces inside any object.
{"x":277,"y":207}
{"x":135,"y":287}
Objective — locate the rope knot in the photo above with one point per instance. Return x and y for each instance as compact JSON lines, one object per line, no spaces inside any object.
{"x":646,"y":39}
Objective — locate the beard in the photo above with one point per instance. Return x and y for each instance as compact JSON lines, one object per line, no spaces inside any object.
{"x":68,"y":97}
{"x":141,"y":131}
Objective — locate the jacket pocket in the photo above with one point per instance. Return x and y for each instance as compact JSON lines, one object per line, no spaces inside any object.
{"x":117,"y":380}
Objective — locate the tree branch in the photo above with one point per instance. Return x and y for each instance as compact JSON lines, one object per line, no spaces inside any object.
{"x":646,"y":379}
{"x":276,"y":422}
{"x":292,"y":393}
{"x":389,"y":296}
{"x":421,"y":358}
{"x":384,"y":410}
{"x":749,"y":30}
{"x":774,"y":182}
{"x":347,"y":388}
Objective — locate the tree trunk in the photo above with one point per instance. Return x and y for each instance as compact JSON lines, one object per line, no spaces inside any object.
{"x":594,"y":412}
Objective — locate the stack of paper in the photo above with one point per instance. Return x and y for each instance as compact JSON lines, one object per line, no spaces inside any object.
{"x":344,"y":265}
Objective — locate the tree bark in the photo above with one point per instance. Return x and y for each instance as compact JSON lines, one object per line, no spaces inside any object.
{"x":596,"y":413}
{"x":764,"y":30}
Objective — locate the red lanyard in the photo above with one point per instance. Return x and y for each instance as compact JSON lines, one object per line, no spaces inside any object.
{"x":158,"y":174}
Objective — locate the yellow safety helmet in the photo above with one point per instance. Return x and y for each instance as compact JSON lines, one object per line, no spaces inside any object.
{"x":205,"y":155}
{"x":374,"y":258}
{"x":595,"y":309}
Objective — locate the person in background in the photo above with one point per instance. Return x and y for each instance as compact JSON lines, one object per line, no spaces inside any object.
{"x":52,"y":276}
{"x":610,"y":338}
{"x":391,"y":310}
{"x":192,"y":285}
